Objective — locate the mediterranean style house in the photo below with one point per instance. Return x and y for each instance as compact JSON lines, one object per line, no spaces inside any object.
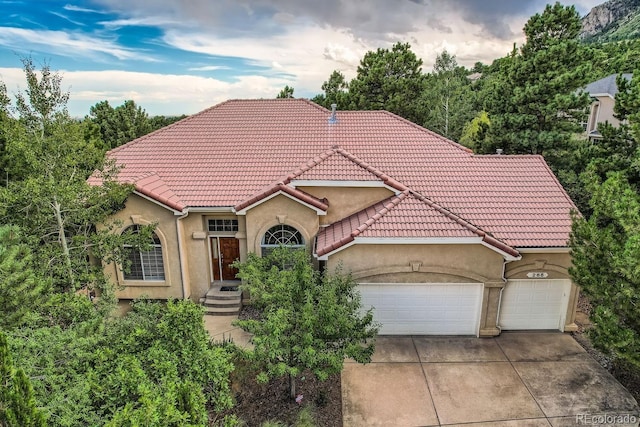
{"x":440,"y":240}
{"x":603,"y":93}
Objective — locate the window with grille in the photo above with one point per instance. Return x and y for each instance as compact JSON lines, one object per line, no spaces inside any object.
{"x":145,"y":265}
{"x":281,"y":235}
{"x":222,"y":225}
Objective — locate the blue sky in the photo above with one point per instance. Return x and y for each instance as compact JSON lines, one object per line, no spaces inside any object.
{"x":179,"y":57}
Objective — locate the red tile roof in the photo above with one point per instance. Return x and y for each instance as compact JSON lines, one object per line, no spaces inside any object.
{"x":230,"y":153}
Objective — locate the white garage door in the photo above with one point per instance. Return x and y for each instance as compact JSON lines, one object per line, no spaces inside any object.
{"x":534,"y":304}
{"x":431,"y":309}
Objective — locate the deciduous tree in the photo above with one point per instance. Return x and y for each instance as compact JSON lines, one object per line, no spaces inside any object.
{"x":48,"y":196}
{"x":309,"y":321}
{"x":447,"y":97}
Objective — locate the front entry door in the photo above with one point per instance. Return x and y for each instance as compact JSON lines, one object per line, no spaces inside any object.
{"x":229,"y":252}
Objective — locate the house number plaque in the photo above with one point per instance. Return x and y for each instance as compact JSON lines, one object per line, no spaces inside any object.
{"x":537,"y":275}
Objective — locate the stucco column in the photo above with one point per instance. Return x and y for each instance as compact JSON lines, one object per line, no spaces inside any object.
{"x":570,"y":322}
{"x":490,"y":307}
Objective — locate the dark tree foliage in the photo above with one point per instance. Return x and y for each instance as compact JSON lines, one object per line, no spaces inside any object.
{"x":119,"y":125}
{"x":532,"y":96}
{"x":606,"y":242}
{"x":286,"y":92}
{"x":389,"y":80}
{"x":336,"y":91}
{"x":21,"y":289}
{"x":309,"y":321}
{"x":17,"y":403}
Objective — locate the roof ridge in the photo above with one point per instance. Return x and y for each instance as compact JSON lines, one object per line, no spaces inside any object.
{"x":303,"y":196}
{"x":393,"y":202}
{"x":336,"y":149}
{"x":429,"y":131}
{"x":557,"y":181}
{"x":486,"y":237}
{"x":172,"y":125}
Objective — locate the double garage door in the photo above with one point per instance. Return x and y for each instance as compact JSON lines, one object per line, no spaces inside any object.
{"x":454,"y":308}
{"x":429,"y":309}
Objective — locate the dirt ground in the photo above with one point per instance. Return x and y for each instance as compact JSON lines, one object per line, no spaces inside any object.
{"x":257,"y":403}
{"x":626,"y":375}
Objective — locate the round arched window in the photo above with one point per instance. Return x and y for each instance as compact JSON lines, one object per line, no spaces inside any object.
{"x":145,"y":265}
{"x":281,"y":235}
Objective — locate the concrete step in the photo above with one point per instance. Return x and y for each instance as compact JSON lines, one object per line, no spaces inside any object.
{"x":223,"y":304}
{"x":218,"y":311}
{"x":218,"y":294}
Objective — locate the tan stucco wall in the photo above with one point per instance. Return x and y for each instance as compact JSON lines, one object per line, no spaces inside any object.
{"x":196,"y":238}
{"x":141,"y":211}
{"x":419,"y":263}
{"x":556,"y":266}
{"x":472,"y":263}
{"x":280,"y":210}
{"x":601,"y":111}
{"x":344,"y":201}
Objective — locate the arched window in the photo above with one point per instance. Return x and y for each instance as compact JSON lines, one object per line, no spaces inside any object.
{"x":145,"y":265}
{"x":281,"y":235}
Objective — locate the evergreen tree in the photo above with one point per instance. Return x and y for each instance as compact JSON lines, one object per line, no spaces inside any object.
{"x":605,"y":244}
{"x":336,"y":91}
{"x":286,"y":92}
{"x":119,"y":125}
{"x":389,"y":80}
{"x":17,"y":403}
{"x":308,"y":322}
{"x":532,"y":96}
{"x":21,"y":291}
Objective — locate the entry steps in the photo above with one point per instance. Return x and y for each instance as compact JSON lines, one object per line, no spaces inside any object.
{"x":220,"y":301}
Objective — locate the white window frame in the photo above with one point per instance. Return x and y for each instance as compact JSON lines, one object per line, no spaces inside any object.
{"x":147,"y":258}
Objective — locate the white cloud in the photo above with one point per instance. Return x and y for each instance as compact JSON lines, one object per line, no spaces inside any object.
{"x":210,"y":68}
{"x":165,"y":94}
{"x":66,"y":44}
{"x":150,"y":21}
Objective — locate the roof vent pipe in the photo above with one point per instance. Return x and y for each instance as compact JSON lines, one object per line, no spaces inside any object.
{"x":498,"y":151}
{"x":332,"y":118}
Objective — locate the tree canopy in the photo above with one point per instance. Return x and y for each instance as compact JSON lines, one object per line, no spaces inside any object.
{"x":309,"y":321}
{"x":532,"y":97}
{"x":389,"y":79}
{"x":606,"y":242}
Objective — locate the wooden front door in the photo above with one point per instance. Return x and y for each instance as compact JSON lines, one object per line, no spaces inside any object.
{"x":229,"y":252}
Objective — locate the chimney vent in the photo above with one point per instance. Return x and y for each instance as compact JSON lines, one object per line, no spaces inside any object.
{"x":498,"y":151}
{"x":333,"y":119}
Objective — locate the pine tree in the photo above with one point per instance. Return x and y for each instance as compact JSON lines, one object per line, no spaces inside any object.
{"x":532,"y":96}
{"x":20,"y":288}
{"x":17,"y":402}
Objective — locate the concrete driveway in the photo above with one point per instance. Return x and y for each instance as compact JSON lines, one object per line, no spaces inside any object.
{"x":517,"y":379}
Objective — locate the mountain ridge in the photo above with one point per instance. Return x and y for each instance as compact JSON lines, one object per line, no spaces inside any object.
{"x":611,"y":21}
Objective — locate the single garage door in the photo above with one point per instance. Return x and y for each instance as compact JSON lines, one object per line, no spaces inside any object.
{"x":421,"y":308}
{"x":534,"y":304}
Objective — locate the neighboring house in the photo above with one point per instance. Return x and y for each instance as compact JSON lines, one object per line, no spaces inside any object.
{"x":441,"y":241}
{"x":603,"y":93}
